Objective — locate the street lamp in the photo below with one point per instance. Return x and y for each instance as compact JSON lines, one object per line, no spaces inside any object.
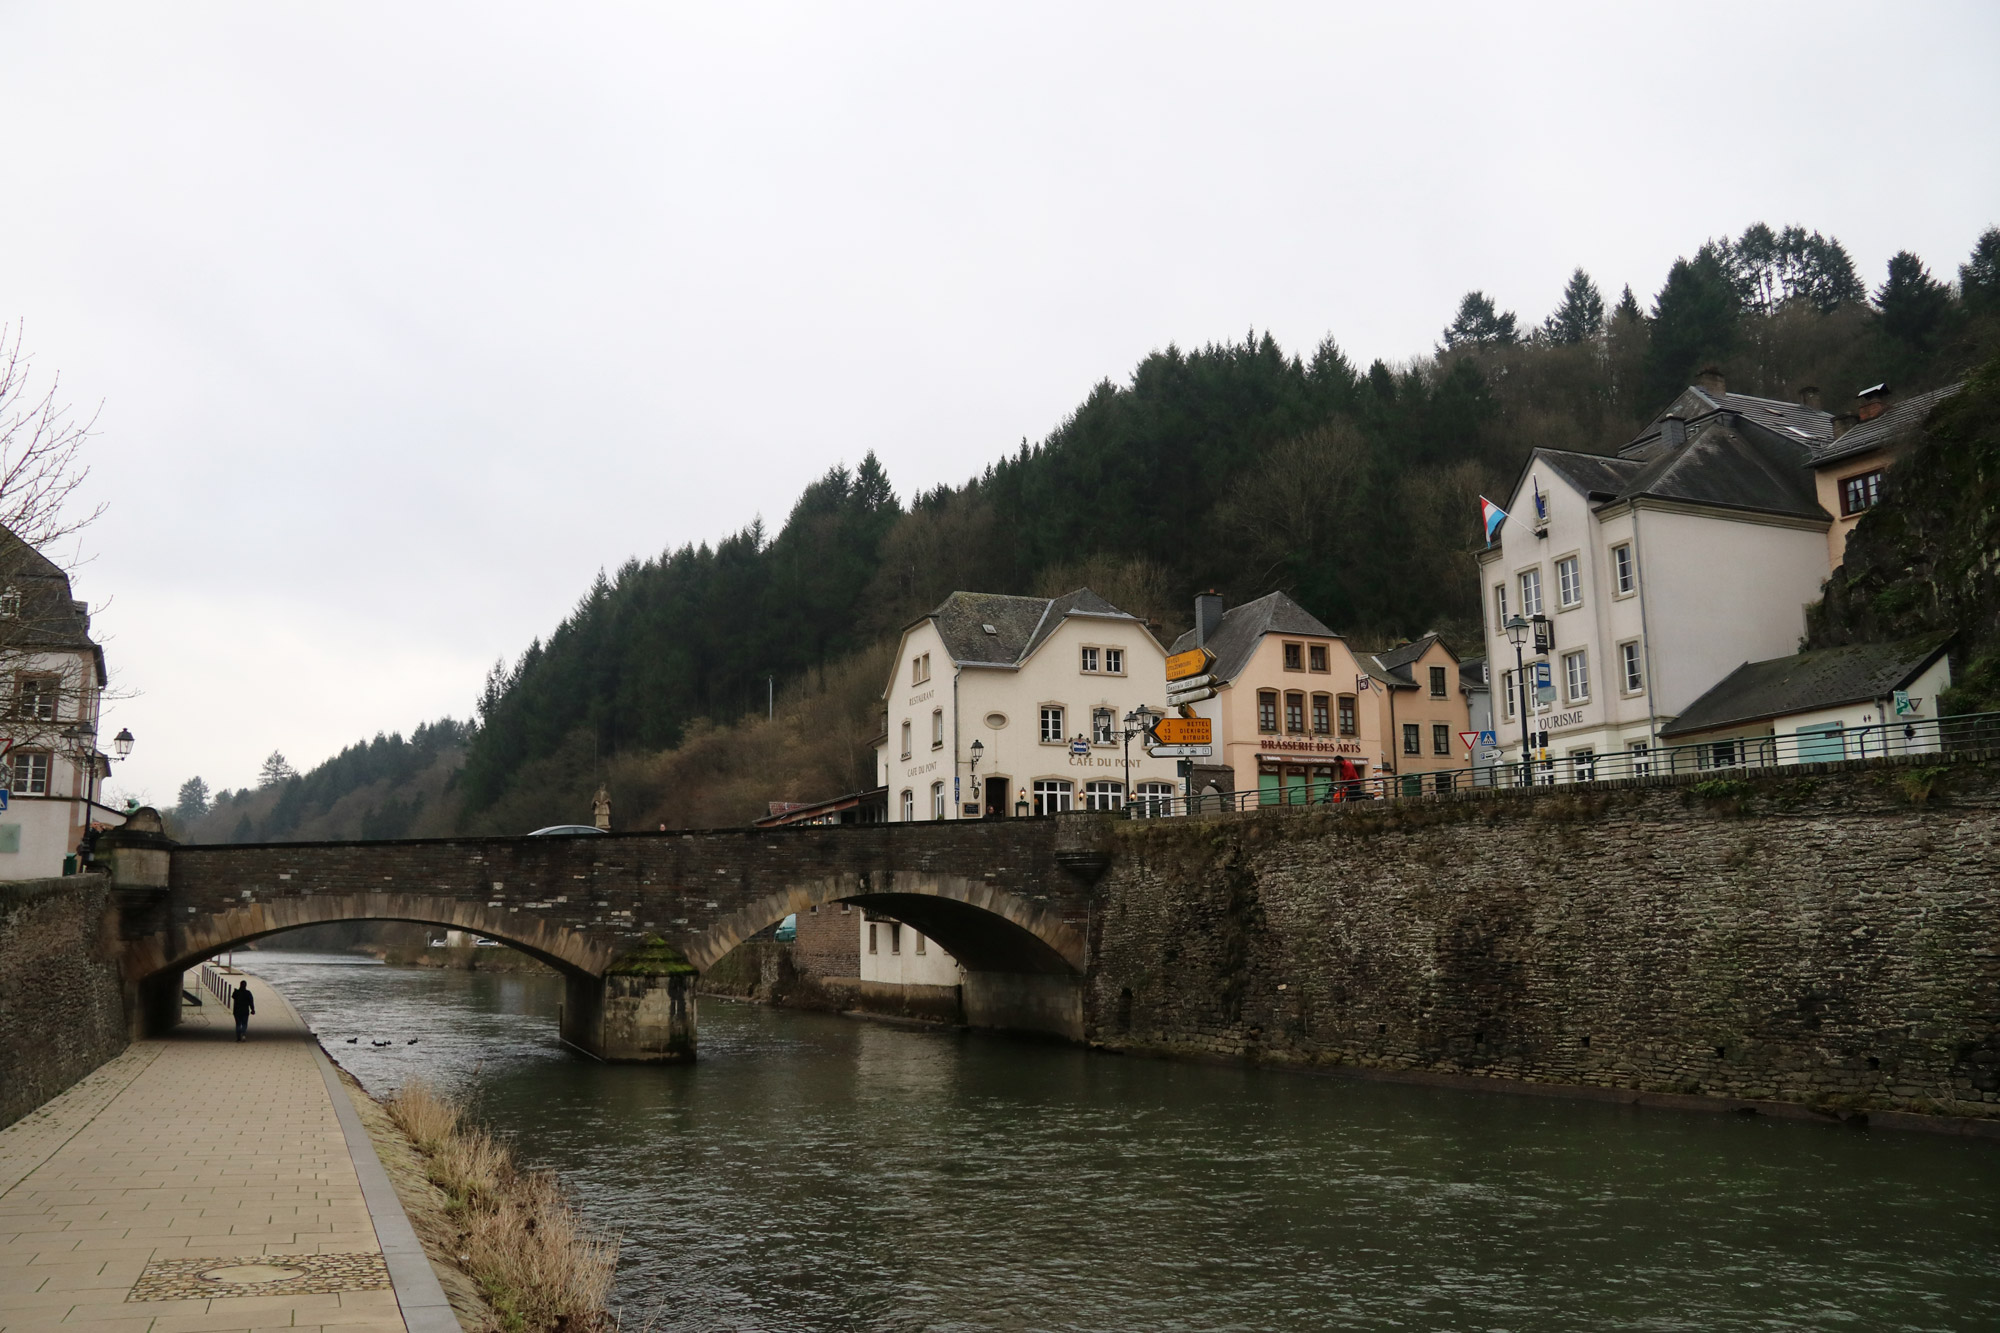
{"x":122,"y":742}
{"x":978,"y":749}
{"x":1137,"y":723}
{"x":1518,"y":628}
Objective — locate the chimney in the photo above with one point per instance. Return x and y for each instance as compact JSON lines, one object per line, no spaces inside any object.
{"x":1207,"y":616}
{"x":1675,"y":431}
{"x":1843,"y":423}
{"x":1711,"y":382}
{"x":1872,"y":403}
{"x":1809,"y":397}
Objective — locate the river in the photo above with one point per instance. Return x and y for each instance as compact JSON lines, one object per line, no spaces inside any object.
{"x":818,"y":1173}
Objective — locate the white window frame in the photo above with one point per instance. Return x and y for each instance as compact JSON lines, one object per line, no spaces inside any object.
{"x":1631,"y":668}
{"x":1510,"y":692}
{"x":1624,"y":574}
{"x":1569,"y":582}
{"x":920,"y":668}
{"x":1531,"y":592}
{"x":937,"y":799}
{"x":1583,"y":763}
{"x":1642,"y":757}
{"x":1089,"y":659}
{"x":1052,"y":725}
{"x":1114,"y":661}
{"x":1576,"y":672}
{"x":937,"y":728}
{"x":1103,"y":794}
{"x":907,"y":727}
{"x":1154,"y":798}
{"x":1104,"y":726}
{"x":1441,"y":739}
{"x":1059,"y":792}
{"x":29,"y":772}
{"x":1500,"y":605}
{"x":909,"y":805}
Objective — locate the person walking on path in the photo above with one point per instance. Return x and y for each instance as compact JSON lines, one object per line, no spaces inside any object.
{"x":245,"y":1005}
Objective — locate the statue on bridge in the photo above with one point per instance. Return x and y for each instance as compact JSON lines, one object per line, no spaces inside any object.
{"x":601,"y":808}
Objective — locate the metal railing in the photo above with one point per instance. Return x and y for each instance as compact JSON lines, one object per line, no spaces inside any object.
{"x":1832,"y":744}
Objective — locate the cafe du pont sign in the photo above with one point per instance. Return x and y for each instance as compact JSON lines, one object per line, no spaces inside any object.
{"x":1305,"y":745}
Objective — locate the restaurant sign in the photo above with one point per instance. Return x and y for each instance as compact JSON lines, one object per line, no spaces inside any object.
{"x":1305,"y":745}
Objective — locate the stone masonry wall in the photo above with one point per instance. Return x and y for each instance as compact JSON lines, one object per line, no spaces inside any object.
{"x":61,"y":1008}
{"x":1830,"y":937}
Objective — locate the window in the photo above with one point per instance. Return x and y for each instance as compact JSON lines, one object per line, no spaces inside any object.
{"x":10,"y":603}
{"x":909,"y":805}
{"x":1052,"y":726}
{"x":906,"y":738}
{"x":920,"y":941}
{"x":1583,"y":764}
{"x":1437,"y":683}
{"x":36,"y":698}
{"x":1103,"y":727}
{"x":1508,"y":692}
{"x":1621,"y":568}
{"x":1576,"y":669}
{"x":1635,"y":676}
{"x":1090,"y":659}
{"x":1052,"y":796}
{"x":1103,"y":795}
{"x":1322,"y":715}
{"x":1722,"y":754}
{"x":1569,"y":583}
{"x":937,"y":729}
{"x":1441,"y":738}
{"x":1316,"y":657}
{"x":1267,"y":710}
{"x":28,"y":773}
{"x":1347,"y":715}
{"x":1154,"y":798}
{"x":1500,"y":605}
{"x":1413,"y":739}
{"x":1295,"y":714}
{"x":1860,"y":493}
{"x":920,"y":668}
{"x":895,"y":937}
{"x":1114,"y":661}
{"x":937,"y":800}
{"x":1642,"y":758}
{"x":1295,"y":657}
{"x":1531,"y":593}
{"x":871,"y":937}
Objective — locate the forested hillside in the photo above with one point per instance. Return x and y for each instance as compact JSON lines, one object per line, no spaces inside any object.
{"x":1242,"y":466}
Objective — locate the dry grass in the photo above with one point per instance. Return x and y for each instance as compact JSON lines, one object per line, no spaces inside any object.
{"x":540,"y":1266}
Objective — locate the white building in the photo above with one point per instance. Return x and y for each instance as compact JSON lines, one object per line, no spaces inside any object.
{"x":1661,"y":570}
{"x":896,"y":954}
{"x":1015,"y":705}
{"x":54,"y":683}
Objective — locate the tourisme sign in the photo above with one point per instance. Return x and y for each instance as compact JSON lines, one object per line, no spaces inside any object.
{"x":1193,"y":662}
{"x":1183,"y":731}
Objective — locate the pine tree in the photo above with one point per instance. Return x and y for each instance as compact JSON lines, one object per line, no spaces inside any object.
{"x":1580,"y":317}
{"x":193,"y":801}
{"x":1627,"y":307}
{"x":1694,"y":321}
{"x":1479,"y":323}
{"x":1979,"y":276}
{"x":1915,"y":307}
{"x":276,"y":769}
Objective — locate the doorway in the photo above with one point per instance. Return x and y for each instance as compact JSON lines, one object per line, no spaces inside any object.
{"x":996,"y":798}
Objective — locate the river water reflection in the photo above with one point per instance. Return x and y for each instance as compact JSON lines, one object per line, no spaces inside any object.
{"x":815,"y":1173}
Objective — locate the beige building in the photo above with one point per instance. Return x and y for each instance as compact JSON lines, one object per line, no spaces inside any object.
{"x":1292,"y":714}
{"x":1015,"y":705}
{"x":1849,"y":470}
{"x":1415,"y":688}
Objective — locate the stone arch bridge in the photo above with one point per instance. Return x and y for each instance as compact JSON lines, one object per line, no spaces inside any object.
{"x":630,"y":920}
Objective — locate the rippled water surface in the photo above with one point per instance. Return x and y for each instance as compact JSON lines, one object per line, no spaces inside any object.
{"x":816,"y":1173}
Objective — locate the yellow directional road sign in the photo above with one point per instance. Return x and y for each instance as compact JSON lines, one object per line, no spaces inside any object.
{"x":1184,"y":731}
{"x":1190,"y":663}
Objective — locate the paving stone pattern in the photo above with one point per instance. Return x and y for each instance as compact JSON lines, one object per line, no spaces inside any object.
{"x":258,"y":1275}
{"x":194,"y":1152}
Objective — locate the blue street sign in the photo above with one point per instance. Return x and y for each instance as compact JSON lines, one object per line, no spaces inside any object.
{"x":1079,"y":747}
{"x":1488,"y":739}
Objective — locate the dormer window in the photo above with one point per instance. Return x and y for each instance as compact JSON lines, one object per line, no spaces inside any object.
{"x":1295,"y":657}
{"x":1090,"y":659}
{"x":1316,"y":657}
{"x":35,"y":699}
{"x":920,"y":668}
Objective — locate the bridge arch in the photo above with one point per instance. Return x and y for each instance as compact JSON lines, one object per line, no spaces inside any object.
{"x":986,"y":929}
{"x":205,"y":935}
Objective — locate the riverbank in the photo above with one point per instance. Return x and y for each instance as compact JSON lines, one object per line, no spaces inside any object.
{"x":469,"y":959}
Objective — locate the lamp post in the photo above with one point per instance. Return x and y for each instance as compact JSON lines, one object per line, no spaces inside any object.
{"x":978,"y":749}
{"x":1518,"y":627}
{"x":1137,"y":723}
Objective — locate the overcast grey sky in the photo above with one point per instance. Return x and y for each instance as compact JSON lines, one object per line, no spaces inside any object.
{"x":406,"y":319}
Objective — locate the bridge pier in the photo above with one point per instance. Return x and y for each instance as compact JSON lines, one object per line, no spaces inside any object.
{"x":1042,"y":1002}
{"x":140,"y":856}
{"x":640,"y":1012}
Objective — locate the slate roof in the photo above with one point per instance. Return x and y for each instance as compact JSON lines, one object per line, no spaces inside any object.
{"x":1393,"y":666}
{"x":1472,"y":673}
{"x":1792,"y":421}
{"x":1822,"y":678}
{"x":1899,"y":420}
{"x":1020,"y":624}
{"x":47,"y":618}
{"x":1244,"y":627}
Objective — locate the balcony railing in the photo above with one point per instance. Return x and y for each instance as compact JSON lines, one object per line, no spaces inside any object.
{"x":1912,"y":736}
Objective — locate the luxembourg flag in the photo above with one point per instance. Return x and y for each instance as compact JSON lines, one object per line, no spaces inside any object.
{"x":1493,"y":515}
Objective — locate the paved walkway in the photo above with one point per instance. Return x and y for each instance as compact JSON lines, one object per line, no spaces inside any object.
{"x":196,"y":1184}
